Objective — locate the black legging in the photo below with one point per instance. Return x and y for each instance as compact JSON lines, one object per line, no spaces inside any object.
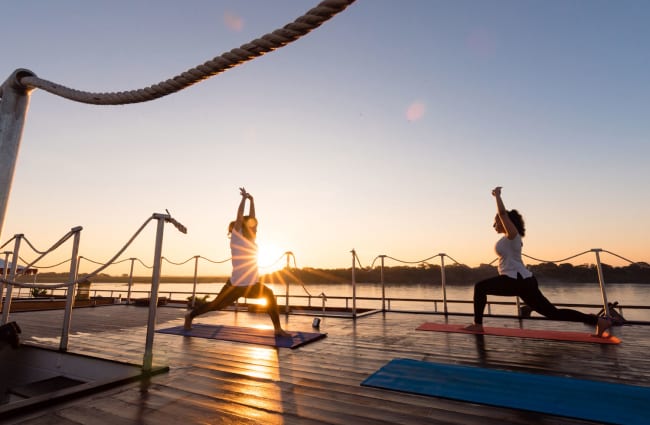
{"x":528,"y":291}
{"x":229,"y":294}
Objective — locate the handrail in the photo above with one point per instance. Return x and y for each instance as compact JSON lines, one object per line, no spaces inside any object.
{"x":289,"y":255}
{"x":344,"y":301}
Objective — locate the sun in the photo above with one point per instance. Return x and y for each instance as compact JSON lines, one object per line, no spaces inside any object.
{"x":270,"y":257}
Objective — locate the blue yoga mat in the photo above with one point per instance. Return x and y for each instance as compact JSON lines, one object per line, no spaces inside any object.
{"x":574,"y":398}
{"x":247,"y":335}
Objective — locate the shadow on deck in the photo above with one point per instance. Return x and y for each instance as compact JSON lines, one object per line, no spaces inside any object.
{"x":33,"y":377}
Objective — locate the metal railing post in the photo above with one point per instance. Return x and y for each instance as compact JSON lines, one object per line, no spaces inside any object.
{"x":354,"y":284}
{"x":443,"y":279}
{"x":14,"y":102}
{"x":12,"y":276}
{"x":383,"y":284}
{"x":153,"y":299}
{"x":196,"y":269}
{"x":128,"y":294}
{"x":5,"y":271}
{"x":69,"y":300}
{"x":601,"y":280}
{"x":76,"y":273}
{"x":288,"y":268}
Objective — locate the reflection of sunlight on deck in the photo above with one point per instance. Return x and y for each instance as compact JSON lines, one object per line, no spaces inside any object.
{"x":264,"y":364}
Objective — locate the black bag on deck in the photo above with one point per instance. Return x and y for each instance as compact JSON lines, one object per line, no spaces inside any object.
{"x":9,"y":333}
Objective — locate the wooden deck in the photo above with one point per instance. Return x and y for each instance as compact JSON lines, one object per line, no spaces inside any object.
{"x":220,"y":382}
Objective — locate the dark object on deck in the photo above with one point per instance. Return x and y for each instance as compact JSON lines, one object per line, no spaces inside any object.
{"x":525,"y":311}
{"x":615,"y":315}
{"x":9,"y":333}
{"x":83,"y":290}
{"x":144,"y":302}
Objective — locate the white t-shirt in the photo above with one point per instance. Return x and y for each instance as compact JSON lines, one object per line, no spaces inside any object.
{"x":244,"y":260}
{"x":510,"y":263}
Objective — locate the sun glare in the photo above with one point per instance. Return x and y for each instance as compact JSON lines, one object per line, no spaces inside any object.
{"x":270,"y":258}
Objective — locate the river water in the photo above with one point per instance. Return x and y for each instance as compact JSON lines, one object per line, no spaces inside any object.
{"x":421,"y":297}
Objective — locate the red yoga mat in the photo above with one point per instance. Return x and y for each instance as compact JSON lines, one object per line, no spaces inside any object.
{"x":522,"y":333}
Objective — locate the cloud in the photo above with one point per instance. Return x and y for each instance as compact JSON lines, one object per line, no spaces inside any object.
{"x":233,"y":22}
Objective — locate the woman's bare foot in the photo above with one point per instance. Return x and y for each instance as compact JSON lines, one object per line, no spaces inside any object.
{"x":474,"y":327}
{"x":281,"y":332}
{"x":188,"y":321}
{"x":604,"y":323}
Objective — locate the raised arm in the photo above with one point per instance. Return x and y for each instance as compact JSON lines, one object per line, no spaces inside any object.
{"x":239,"y":221}
{"x":251,"y":205}
{"x":508,"y":225}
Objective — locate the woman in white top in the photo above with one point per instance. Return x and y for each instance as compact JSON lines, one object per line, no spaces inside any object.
{"x":515,"y":279}
{"x":243,"y":281}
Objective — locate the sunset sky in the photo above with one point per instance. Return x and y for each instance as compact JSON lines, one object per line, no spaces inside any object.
{"x":383,"y":131}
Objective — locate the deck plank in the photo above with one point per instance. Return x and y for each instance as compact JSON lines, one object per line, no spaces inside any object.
{"x":213,"y":381}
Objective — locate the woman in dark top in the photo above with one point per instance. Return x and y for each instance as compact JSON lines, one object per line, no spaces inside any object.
{"x":515,"y":279}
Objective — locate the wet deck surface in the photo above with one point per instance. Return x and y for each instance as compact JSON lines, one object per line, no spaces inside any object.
{"x":214,"y":382}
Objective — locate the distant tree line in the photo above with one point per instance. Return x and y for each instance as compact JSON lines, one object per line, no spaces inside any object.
{"x":462,"y":274}
{"x":420,"y":274}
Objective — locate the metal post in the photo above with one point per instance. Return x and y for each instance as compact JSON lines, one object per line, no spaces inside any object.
{"x":383,"y":284}
{"x":601,"y":280}
{"x":128,"y":294}
{"x":354,"y":284}
{"x":69,"y":301}
{"x":288,"y":268}
{"x":12,"y":276}
{"x":444,"y":281}
{"x":76,"y":274}
{"x":14,"y":101}
{"x":153,"y":300}
{"x":5,"y":271}
{"x":196,"y":269}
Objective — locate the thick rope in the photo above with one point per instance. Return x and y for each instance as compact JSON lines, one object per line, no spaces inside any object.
{"x":638,"y":263}
{"x":269,"y":42}
{"x":57,"y":244}
{"x":116,"y":256}
{"x":295,"y":266}
{"x":33,"y":247}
